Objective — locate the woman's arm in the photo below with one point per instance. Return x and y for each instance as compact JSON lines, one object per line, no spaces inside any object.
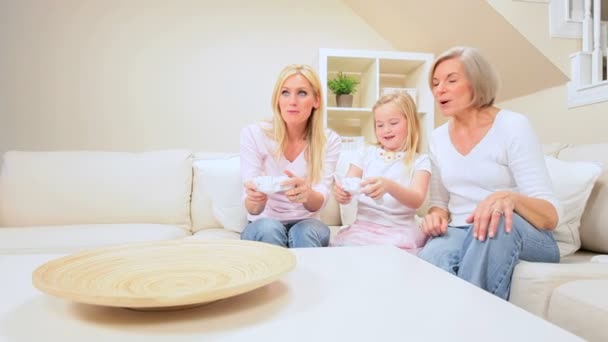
{"x":251,"y":167}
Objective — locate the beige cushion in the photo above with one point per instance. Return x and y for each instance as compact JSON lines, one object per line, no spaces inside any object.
{"x":533,"y":283}
{"x":73,"y":238}
{"x":214,"y":233}
{"x":582,"y":308}
{"x":572,"y":183}
{"x":330,"y":214}
{"x":217,"y":193}
{"x":594,"y":221}
{"x":82,"y":187}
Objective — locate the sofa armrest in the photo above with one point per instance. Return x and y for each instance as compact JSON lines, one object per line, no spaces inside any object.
{"x":533,"y":283}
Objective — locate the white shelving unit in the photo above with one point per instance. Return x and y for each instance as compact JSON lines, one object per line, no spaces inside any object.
{"x":377,"y":72}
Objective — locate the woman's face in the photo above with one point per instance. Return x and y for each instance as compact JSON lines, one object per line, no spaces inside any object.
{"x":451,"y":88}
{"x":391,"y":127}
{"x":297,"y":100}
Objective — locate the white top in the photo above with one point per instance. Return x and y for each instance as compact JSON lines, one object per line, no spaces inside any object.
{"x":389,"y":212}
{"x":258,"y":159}
{"x":508,"y":158}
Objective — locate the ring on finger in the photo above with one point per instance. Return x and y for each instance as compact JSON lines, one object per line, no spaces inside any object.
{"x":500,"y":212}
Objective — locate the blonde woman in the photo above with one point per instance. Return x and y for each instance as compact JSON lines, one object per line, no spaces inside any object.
{"x":297,"y":145}
{"x":491,"y":198}
{"x":393,"y":171}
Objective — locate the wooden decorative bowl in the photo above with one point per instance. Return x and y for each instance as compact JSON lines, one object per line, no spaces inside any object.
{"x":164,"y":275}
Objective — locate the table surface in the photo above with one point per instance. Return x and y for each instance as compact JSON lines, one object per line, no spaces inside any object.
{"x":341,"y":294}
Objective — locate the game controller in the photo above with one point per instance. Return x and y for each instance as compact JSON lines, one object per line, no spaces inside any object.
{"x":271,"y":184}
{"x":352,"y":185}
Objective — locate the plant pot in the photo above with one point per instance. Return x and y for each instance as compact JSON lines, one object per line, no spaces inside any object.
{"x":344,"y":100}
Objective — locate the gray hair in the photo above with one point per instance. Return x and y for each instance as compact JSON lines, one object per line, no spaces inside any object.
{"x":480,"y":74}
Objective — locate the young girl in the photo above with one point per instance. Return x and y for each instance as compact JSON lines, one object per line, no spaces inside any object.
{"x":393,"y":180}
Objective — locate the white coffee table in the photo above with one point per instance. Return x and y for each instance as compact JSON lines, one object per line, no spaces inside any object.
{"x":334,"y":294}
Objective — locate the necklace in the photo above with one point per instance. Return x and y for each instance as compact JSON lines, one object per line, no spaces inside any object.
{"x":390,"y":156}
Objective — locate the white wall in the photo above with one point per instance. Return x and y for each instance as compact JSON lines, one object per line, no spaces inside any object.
{"x":553,"y":122}
{"x":154,"y":74}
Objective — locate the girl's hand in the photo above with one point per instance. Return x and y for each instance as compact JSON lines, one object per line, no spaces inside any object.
{"x":254,"y":196}
{"x":342,"y":196}
{"x":375,"y":187}
{"x":434,"y":224}
{"x":487,"y":215}
{"x":300,"y":190}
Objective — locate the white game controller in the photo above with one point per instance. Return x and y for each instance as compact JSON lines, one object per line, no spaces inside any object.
{"x":270,"y":184}
{"x":352,"y":185}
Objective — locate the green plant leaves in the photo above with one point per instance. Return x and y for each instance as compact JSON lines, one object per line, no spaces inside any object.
{"x":343,"y":84}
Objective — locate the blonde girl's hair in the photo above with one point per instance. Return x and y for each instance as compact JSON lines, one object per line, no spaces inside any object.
{"x":315,"y":127}
{"x":406,"y":106}
{"x":478,"y":71}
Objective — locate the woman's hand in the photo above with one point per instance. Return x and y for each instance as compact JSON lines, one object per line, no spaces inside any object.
{"x":300,"y":189}
{"x":375,"y":187}
{"x":342,"y":196}
{"x":435,"y":223}
{"x":255,"y":200}
{"x":487,"y":215}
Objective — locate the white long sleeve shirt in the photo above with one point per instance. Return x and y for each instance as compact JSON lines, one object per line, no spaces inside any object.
{"x":508,"y":158}
{"x":257,"y":159}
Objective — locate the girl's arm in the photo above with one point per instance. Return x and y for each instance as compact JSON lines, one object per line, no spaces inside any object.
{"x":414,"y":195}
{"x":342,"y":196}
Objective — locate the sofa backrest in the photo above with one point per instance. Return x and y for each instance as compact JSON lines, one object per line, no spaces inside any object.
{"x":82,"y":187}
{"x":594,"y":221}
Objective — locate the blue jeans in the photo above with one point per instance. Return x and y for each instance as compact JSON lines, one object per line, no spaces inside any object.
{"x":489,"y":264}
{"x":304,"y":233}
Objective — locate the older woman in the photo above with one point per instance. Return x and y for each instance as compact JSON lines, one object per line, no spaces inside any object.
{"x":491,"y":201}
{"x":297,"y":145}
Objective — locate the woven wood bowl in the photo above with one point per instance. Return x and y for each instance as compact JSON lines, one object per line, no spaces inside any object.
{"x":164,"y":275}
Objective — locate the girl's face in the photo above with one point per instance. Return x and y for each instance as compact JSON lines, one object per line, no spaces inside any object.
{"x":391,"y":127}
{"x":451,"y":88}
{"x":297,"y":100}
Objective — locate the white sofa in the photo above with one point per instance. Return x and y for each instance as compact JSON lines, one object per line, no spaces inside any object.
{"x":69,"y":201}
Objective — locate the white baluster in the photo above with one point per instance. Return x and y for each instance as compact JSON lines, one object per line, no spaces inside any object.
{"x":596,"y":59}
{"x":587,"y":27}
{"x":604,"y":43}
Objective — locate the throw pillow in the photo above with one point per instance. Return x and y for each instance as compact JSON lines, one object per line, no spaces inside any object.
{"x":572,"y":184}
{"x":218,"y":181}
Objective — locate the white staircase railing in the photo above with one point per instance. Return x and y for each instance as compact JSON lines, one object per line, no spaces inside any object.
{"x":589,"y":79}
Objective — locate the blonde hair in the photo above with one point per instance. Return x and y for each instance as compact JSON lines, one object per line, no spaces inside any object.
{"x":480,"y":74}
{"x":315,"y":128}
{"x":406,"y":106}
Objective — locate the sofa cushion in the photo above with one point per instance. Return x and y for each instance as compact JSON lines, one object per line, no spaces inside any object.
{"x":214,"y":233}
{"x":533,"y":283}
{"x":593,"y":228}
{"x":572,"y":183}
{"x":217,"y":193}
{"x":74,"y":238}
{"x":85,"y":187}
{"x":581,"y":307}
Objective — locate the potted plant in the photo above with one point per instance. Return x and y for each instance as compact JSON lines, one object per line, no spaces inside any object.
{"x":343,"y":86}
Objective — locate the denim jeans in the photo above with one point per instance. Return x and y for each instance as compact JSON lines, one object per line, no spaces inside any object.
{"x":304,"y":233}
{"x":489,"y":264}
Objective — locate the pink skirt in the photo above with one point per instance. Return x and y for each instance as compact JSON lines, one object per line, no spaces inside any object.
{"x":362,"y":233}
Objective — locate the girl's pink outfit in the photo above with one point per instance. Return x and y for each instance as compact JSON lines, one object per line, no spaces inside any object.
{"x":388,"y":222}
